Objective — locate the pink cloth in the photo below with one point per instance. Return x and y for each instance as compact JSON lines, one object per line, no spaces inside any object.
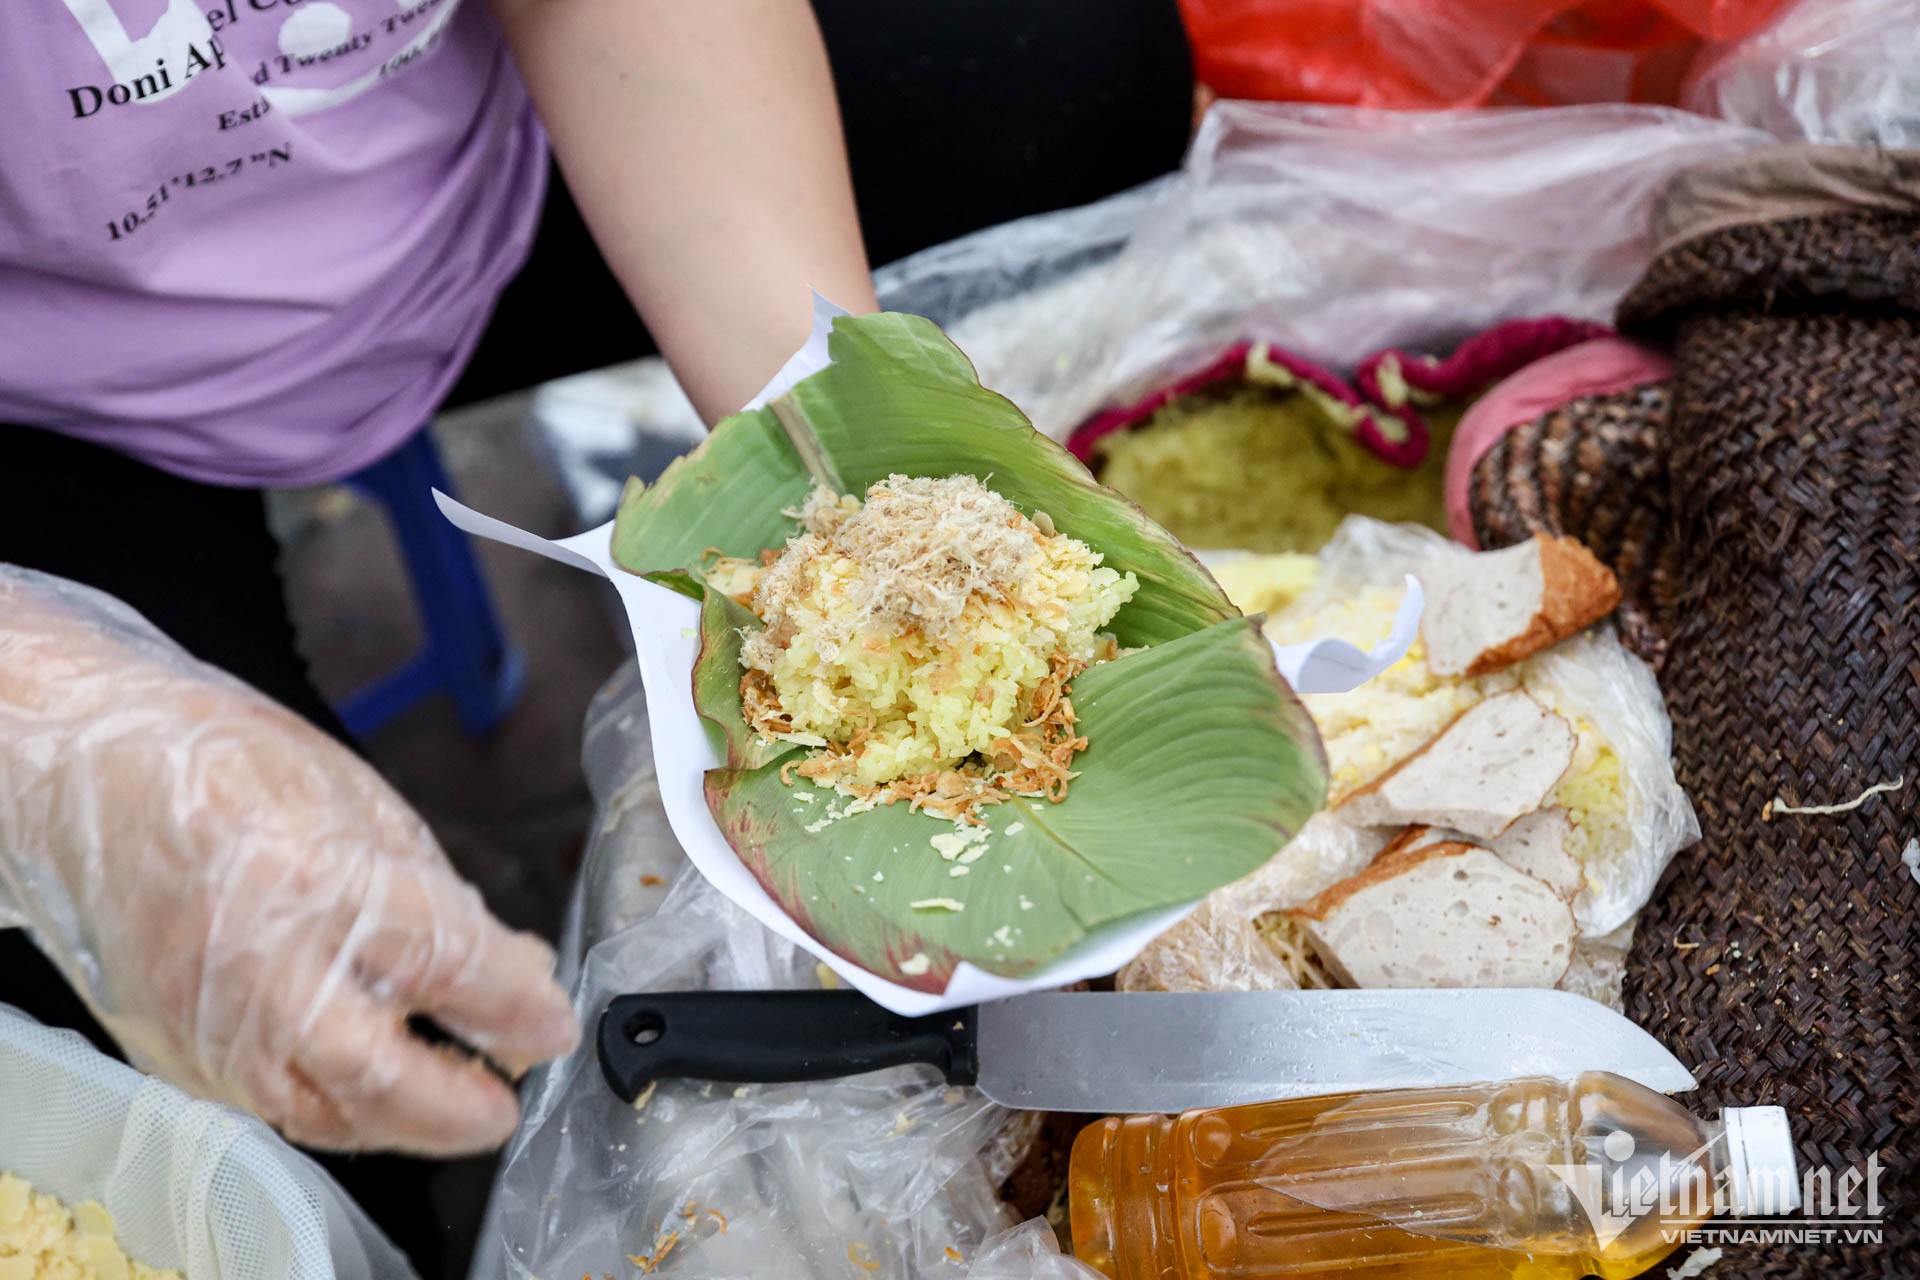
{"x":252,"y":241}
{"x":1600,"y":367}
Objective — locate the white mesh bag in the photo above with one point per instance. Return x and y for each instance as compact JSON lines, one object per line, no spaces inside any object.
{"x":191,"y":1185}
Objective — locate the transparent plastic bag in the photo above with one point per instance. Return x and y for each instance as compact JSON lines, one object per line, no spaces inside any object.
{"x":1338,"y":232}
{"x":893,"y":1173}
{"x":1333,"y":233}
{"x":192,"y":1186}
{"x":1845,"y":71}
{"x":1589,"y":678}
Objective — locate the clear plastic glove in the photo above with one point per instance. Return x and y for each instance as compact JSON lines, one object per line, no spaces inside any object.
{"x":244,"y":904}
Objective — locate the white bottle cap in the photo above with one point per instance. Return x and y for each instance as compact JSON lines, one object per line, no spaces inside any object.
{"x":1760,"y":1161}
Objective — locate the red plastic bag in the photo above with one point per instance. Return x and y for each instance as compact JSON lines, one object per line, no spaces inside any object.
{"x":1412,"y":54}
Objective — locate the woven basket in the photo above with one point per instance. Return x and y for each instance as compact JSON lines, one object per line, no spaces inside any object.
{"x":1764,"y":511}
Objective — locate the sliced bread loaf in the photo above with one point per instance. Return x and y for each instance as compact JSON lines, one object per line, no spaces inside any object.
{"x":1494,"y":764}
{"x":1488,"y":611}
{"x":1447,"y":915}
{"x":1535,"y":844}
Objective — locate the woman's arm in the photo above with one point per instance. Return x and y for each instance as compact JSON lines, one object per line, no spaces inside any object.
{"x":701,"y":141}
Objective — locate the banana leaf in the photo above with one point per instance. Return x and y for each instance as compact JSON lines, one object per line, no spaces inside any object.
{"x":1201,"y":763}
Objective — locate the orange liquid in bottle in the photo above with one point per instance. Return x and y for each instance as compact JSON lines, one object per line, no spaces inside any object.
{"x":1456,"y":1182}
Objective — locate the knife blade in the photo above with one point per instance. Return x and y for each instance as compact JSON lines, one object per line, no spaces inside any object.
{"x":1135,"y":1051}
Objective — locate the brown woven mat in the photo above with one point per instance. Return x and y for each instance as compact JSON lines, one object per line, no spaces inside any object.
{"x":1771,"y":530}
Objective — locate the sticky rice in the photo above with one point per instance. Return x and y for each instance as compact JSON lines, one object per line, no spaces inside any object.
{"x":923,"y":641}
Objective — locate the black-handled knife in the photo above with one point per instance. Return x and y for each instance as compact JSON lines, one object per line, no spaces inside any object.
{"x":767,"y":1037}
{"x":1133,"y":1051}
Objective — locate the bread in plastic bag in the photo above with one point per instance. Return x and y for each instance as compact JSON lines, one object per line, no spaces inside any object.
{"x":1626,"y":744}
{"x":894,"y":1173}
{"x":192,"y":1186}
{"x":1222,"y":945}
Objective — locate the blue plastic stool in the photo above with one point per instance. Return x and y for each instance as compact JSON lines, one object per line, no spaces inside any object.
{"x":466,"y":656}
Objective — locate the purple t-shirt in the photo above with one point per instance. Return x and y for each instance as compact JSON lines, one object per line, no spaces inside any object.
{"x":252,"y":241}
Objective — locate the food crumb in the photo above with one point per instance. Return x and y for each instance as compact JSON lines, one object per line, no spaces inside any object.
{"x":720,"y":1218}
{"x":652,"y":882}
{"x":857,"y":1255}
{"x":1910,"y":857}
{"x":953,"y":1253}
{"x":916,"y":964}
{"x":1013,"y":829}
{"x":645,"y":1096}
{"x":937,"y":904}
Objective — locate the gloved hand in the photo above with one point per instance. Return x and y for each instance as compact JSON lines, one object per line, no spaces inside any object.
{"x":244,"y":904}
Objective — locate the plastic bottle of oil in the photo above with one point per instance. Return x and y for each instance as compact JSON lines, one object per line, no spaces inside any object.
{"x":1531,"y":1179}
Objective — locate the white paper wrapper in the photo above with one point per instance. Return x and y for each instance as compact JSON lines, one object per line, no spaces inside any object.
{"x":666,"y":641}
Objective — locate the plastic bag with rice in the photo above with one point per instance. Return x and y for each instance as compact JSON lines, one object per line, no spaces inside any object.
{"x":188,"y":1186}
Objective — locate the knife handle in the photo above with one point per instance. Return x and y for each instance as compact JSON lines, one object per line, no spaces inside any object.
{"x":768,"y":1037}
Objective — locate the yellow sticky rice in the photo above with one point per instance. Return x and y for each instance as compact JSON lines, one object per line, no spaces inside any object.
{"x":1396,"y":713}
{"x":41,"y":1240}
{"x":920,"y":702}
{"x":1267,"y":584}
{"x":1267,"y":471}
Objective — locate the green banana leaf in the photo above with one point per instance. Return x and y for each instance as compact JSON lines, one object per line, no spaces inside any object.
{"x":1200,"y":763}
